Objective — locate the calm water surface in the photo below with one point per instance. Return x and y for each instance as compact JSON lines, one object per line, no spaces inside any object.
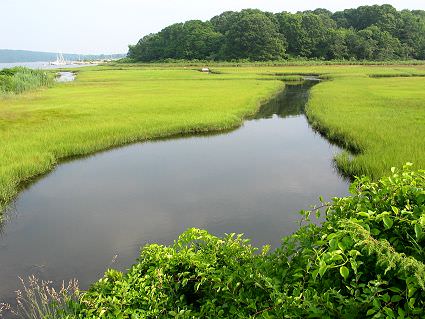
{"x":253,"y":180}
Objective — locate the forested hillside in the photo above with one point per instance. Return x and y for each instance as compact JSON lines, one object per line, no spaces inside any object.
{"x":366,"y":33}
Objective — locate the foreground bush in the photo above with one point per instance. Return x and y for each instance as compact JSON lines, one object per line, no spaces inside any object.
{"x":20,"y":79}
{"x":365,"y":261}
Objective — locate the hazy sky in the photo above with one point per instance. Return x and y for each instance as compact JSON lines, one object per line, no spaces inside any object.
{"x":108,"y":26}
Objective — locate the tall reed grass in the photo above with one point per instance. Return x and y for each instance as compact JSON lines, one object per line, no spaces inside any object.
{"x":38,"y":299}
{"x":20,"y":79}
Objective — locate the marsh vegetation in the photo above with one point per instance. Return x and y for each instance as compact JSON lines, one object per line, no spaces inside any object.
{"x":20,"y":79}
{"x":366,"y":109}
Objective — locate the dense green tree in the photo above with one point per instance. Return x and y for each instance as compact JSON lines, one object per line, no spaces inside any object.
{"x":147,"y":49}
{"x":290,"y":26}
{"x":385,"y":17}
{"x":322,"y":11}
{"x":412,"y":33}
{"x":317,"y":35}
{"x":306,"y":33}
{"x":419,"y":13}
{"x":223,"y":21}
{"x":190,"y":40}
{"x":368,"y":32}
{"x":254,"y":36}
{"x":337,"y":48}
{"x":199,"y":40}
{"x":374,"y":44}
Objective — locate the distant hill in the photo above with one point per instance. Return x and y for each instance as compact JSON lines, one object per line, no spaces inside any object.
{"x":12,"y":56}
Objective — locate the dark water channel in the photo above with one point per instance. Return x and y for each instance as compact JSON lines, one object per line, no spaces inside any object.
{"x":253,"y":180}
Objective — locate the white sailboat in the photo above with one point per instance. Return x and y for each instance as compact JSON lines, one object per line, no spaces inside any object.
{"x":59,"y":60}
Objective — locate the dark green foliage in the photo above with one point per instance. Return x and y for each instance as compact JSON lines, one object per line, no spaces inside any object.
{"x":373,"y":44}
{"x":366,"y":33}
{"x":224,"y":21}
{"x":386,"y":17}
{"x":190,"y":40}
{"x":365,"y":261}
{"x":255,"y":37}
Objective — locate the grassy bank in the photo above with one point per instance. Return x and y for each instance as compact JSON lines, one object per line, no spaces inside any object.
{"x":106,"y":107}
{"x":381,"y":119}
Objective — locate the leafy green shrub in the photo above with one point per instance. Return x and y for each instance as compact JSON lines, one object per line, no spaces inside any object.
{"x":366,"y":260}
{"x":199,"y":276}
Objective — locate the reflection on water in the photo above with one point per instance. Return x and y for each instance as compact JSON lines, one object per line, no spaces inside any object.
{"x":290,"y":102}
{"x":253,"y":180}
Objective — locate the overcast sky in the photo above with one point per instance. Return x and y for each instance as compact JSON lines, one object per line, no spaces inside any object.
{"x":108,"y":26}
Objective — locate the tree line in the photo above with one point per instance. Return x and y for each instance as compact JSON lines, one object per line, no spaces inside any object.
{"x":366,"y":33}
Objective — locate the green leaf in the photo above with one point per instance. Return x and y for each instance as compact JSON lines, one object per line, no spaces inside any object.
{"x":388,"y":222}
{"x":389,"y":312}
{"x":333,"y":244}
{"x":322,"y":269}
{"x":420,"y":199}
{"x":344,"y":271}
{"x":395,"y":289}
{"x":412,"y":302}
{"x":370,"y":312}
{"x":375,"y":231}
{"x":418,"y":231}
{"x":363,"y":214}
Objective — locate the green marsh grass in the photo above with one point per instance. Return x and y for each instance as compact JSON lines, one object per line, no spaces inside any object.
{"x":381,"y":120}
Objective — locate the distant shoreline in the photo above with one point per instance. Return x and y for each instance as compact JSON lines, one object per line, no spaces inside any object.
{"x":41,"y":65}
{"x":24,"y":56}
